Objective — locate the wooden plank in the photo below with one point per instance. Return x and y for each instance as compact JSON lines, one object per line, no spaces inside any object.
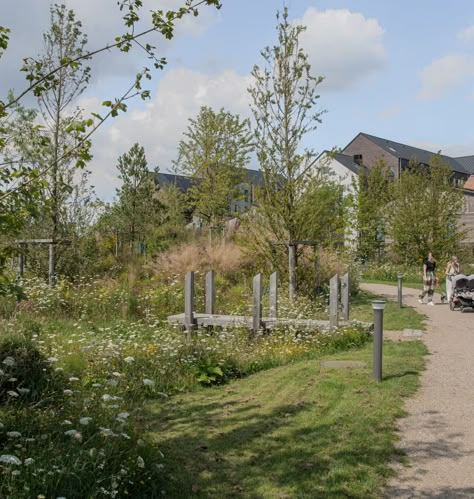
{"x":292,"y":271}
{"x":210,"y":292}
{"x":345,"y":292}
{"x":257,"y":303}
{"x":274,"y":295}
{"x":334,"y":302}
{"x":244,"y":321}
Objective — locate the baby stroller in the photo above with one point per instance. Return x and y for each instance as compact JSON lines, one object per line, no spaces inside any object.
{"x":463,"y":292}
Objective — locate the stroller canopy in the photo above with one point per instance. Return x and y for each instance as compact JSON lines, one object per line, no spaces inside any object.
{"x":463,"y":281}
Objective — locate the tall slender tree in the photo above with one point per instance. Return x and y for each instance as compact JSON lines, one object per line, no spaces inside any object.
{"x":64,"y":41}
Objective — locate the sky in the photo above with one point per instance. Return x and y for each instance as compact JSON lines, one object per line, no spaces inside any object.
{"x":402,"y":70}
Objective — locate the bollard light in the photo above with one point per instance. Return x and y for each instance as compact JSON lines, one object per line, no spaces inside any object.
{"x":378,"y":308}
{"x":400,"y":289}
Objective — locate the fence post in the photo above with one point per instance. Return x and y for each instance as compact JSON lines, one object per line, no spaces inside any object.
{"x":22,"y":263}
{"x":292,"y":271}
{"x":274,"y":296}
{"x":400,"y":289}
{"x":51,"y":266}
{"x":334,"y":302}
{"x":189,"y":321}
{"x":378,"y":308}
{"x":345,"y":282}
{"x":210,"y":293}
{"x":257,"y":303}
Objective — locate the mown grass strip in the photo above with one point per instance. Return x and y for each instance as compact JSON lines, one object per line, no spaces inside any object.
{"x":295,"y":431}
{"x":395,"y":319}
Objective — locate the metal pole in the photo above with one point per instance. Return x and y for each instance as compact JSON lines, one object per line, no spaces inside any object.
{"x":274,"y":296}
{"x":189,"y":320}
{"x":210,"y":292}
{"x":400,"y":289}
{"x":378,"y":307}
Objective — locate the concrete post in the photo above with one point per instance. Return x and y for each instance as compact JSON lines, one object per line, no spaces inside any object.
{"x":189,"y":321}
{"x":334,"y":302}
{"x":21,"y":263}
{"x":274,"y":296}
{"x":51,"y":266}
{"x":210,"y":293}
{"x":257,"y":303}
{"x":345,"y":282}
{"x":292,"y":271}
{"x":400,"y":289}
{"x":378,"y":308}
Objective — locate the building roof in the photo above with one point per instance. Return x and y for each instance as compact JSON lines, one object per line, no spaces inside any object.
{"x":469,"y":185}
{"x":347,"y":161}
{"x":404,"y":151}
{"x":167,"y":179}
{"x":467,"y":162}
{"x":254,"y":177}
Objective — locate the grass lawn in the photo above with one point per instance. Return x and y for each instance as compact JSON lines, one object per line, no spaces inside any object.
{"x":296,"y":431}
{"x":395,"y":319}
{"x":413,"y":285}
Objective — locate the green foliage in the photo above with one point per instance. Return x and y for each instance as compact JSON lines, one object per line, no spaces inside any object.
{"x":213,"y":153}
{"x":424,"y":212}
{"x":25,"y":374}
{"x":137,"y":207}
{"x":284,"y":94}
{"x":371,"y":199}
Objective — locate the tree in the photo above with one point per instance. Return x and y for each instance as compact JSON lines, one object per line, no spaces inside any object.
{"x":213,"y":153}
{"x":137,"y":205}
{"x":424,"y":213}
{"x":64,"y":41}
{"x":283,"y":98}
{"x":284,"y":94}
{"x":370,"y":201}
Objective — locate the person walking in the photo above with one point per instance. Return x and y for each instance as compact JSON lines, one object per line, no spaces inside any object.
{"x":452,"y":269}
{"x":429,"y":279}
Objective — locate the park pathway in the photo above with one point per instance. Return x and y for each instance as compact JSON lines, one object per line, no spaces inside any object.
{"x":438,"y":433}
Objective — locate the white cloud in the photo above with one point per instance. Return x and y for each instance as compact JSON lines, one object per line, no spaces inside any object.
{"x":453,"y":150}
{"x":343,"y":46}
{"x":467,"y":35}
{"x":443,"y":74}
{"x":160,"y":124}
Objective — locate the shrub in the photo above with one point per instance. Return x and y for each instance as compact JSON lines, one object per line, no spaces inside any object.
{"x":25,"y":374}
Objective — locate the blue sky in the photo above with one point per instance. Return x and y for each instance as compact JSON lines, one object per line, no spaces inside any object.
{"x":401,"y":70}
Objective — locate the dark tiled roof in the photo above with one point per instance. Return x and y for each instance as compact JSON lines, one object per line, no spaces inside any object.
{"x":254,"y":177}
{"x":347,"y":161}
{"x":167,"y":179}
{"x":404,"y":151}
{"x":467,"y":162}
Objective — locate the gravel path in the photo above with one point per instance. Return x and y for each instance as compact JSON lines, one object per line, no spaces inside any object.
{"x":438,"y":434}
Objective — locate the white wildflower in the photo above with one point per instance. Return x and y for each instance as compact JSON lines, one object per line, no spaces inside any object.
{"x":9,"y":459}
{"x":129,"y":360}
{"x":12,"y":393}
{"x":59,"y":370}
{"x":9,"y":361}
{"x":68,"y":392}
{"x":96,"y":385}
{"x":29,"y":461}
{"x":123,"y":415}
{"x":116,"y":374}
{"x":85,"y":421}
{"x":148,"y":382}
{"x":13,"y":434}
{"x":1,"y":372}
{"x":140,"y":462}
{"x":72,"y":379}
{"x":52,"y":359}
{"x":16,"y":472}
{"x":67,"y":422}
{"x":23,"y":391}
{"x":74,"y":434}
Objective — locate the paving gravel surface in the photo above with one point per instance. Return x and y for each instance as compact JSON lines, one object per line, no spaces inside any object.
{"x":438,"y":433}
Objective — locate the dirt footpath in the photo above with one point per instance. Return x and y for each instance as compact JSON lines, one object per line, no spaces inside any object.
{"x":438,"y":434}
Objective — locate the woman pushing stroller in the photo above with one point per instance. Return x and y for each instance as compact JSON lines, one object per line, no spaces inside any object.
{"x":452,"y":269}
